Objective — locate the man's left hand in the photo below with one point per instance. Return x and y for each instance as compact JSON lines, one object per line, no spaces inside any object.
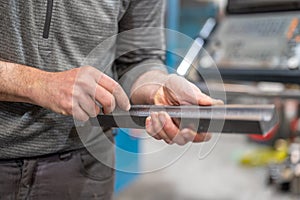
{"x":177,"y":91}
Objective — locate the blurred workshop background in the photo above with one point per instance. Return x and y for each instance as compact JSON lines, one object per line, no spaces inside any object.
{"x":256,"y":46}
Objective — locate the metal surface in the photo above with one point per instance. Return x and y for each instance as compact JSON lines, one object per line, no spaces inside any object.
{"x":240,"y":119}
{"x":239,"y":90}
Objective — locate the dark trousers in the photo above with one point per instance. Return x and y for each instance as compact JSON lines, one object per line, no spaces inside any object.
{"x":72,"y":175}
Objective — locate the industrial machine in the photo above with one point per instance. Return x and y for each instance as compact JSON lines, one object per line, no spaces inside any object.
{"x":257,"y":40}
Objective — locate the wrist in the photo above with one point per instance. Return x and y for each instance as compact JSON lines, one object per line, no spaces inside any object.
{"x":20,"y":83}
{"x":36,"y":88}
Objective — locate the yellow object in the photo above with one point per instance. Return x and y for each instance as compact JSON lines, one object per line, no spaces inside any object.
{"x":266,"y":155}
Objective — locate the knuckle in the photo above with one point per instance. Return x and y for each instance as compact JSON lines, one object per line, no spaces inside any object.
{"x":158,"y":128}
{"x":107,"y":102}
{"x":87,"y":68}
{"x":178,"y":140}
{"x":181,"y":143}
{"x":67,"y":106}
{"x":117,"y":90}
{"x":167,"y":125}
{"x":171,"y":134}
{"x":118,"y":87}
{"x":92,"y":71}
{"x":99,"y":77}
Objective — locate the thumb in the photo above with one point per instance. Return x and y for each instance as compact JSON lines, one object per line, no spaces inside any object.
{"x":205,"y":100}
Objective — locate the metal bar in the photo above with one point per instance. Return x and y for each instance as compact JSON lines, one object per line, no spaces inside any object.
{"x":239,"y":119}
{"x":239,"y":90}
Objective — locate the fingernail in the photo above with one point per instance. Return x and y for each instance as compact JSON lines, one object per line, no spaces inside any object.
{"x":217,"y":102}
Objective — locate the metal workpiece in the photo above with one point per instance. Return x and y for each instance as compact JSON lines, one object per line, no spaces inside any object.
{"x":238,"y":119}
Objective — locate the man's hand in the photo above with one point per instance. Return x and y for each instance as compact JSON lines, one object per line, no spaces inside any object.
{"x":177,"y":91}
{"x":171,"y":90}
{"x":76,"y":92}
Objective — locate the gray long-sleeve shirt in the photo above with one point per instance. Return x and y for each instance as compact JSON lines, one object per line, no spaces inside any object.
{"x":57,"y":35}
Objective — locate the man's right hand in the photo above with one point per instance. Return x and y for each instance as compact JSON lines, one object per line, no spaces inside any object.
{"x":73,"y":92}
{"x":76,"y":91}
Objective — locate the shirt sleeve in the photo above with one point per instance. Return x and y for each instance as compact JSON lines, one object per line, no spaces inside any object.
{"x":141,"y":41}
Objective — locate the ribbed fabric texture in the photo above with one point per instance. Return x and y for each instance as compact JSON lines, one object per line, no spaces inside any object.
{"x":76,"y":28}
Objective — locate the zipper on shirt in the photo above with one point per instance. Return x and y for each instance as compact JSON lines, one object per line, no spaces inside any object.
{"x":48,"y":19}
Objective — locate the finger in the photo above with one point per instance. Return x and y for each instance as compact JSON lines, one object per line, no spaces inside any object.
{"x":180,"y":137}
{"x":149,"y":129}
{"x":170,"y":129}
{"x":203,"y":99}
{"x":168,"y":125}
{"x":205,"y":137}
{"x":176,"y":121}
{"x":90,"y":107}
{"x":177,"y":91}
{"x":192,"y":136}
{"x":116,"y":90}
{"x":158,"y":127}
{"x":180,"y":140}
{"x":106,"y":99}
{"x":217,"y":102}
{"x":157,"y":137}
{"x":80,"y":114}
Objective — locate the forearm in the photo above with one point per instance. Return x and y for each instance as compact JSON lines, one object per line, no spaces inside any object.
{"x":146,"y":86}
{"x":18,"y":82}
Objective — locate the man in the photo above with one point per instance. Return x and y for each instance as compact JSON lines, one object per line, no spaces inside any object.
{"x":43,"y":85}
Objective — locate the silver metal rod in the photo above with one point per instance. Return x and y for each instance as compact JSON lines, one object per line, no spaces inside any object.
{"x":239,"y":119}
